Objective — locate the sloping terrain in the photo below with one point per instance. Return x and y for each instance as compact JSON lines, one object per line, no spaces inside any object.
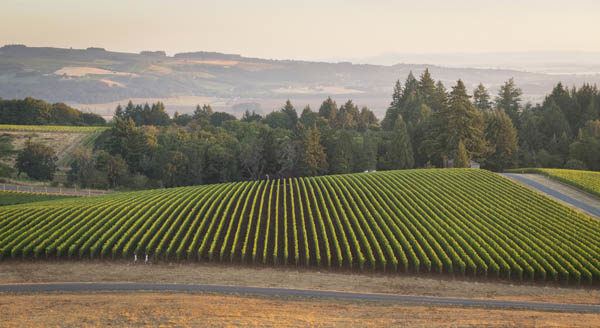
{"x":96,"y":79}
{"x":588,"y":181}
{"x":564,"y":193}
{"x":63,"y":139}
{"x":452,"y":221}
{"x":19,"y":197}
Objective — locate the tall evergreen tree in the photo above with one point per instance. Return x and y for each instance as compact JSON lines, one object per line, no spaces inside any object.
{"x":328,"y":110}
{"x":391,"y":115}
{"x":410,"y":85}
{"x":348,"y":116}
{"x":368,"y":120}
{"x":314,"y":159}
{"x":440,"y":97}
{"x":481,"y":98}
{"x":289,"y":110}
{"x":462,"y":122}
{"x":509,"y":100}
{"x":402,"y":148}
{"x":502,"y":136}
{"x":461,"y":159}
{"x":427,"y":88}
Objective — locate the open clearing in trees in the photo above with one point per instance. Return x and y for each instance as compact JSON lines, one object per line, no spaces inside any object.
{"x":457,"y":222}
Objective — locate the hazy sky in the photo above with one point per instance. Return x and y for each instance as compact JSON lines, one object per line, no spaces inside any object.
{"x":305,"y":29}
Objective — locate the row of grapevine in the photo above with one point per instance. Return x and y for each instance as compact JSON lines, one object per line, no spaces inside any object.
{"x":456,"y":221}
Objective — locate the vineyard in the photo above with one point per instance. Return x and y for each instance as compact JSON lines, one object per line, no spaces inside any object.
{"x":19,"y":197}
{"x":51,"y":128}
{"x":462,"y":222}
{"x":585,"y":180}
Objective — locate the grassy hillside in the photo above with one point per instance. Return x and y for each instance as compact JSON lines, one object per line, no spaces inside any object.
{"x":63,"y":139}
{"x":586,"y":180}
{"x":453,"y":221}
{"x":19,"y":197}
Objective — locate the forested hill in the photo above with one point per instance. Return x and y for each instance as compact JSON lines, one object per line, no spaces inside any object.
{"x":95,"y":79}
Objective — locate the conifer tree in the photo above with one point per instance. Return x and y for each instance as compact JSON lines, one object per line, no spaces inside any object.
{"x":509,"y":99}
{"x":460,"y":121}
{"x":314,"y":159}
{"x":440,"y":97}
{"x":392,"y":112}
{"x":348,"y":116}
{"x":328,"y":110}
{"x":427,"y":88}
{"x":403,"y":157}
{"x":502,"y":136}
{"x":461,"y":159}
{"x":289,"y":110}
{"x":481,"y":98}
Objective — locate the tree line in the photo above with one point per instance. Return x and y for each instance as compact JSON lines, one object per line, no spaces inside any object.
{"x":426,"y":125}
{"x":30,"y":111}
{"x":561,"y":132}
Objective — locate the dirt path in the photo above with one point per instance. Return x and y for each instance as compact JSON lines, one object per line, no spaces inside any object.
{"x":560,"y":192}
{"x":296,"y":293}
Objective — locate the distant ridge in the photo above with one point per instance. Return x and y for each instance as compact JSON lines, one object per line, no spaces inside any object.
{"x":98,"y":79}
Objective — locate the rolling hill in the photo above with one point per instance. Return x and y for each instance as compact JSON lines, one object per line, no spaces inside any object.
{"x":96,"y":79}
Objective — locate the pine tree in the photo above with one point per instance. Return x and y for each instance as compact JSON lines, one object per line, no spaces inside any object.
{"x":509,"y":99}
{"x":314,"y":159}
{"x":342,"y":159}
{"x":391,"y":115}
{"x":427,"y":88}
{"x":348,"y":116}
{"x":481,"y":98}
{"x":401,"y":146}
{"x":502,"y":136}
{"x":410,"y":85}
{"x":289,"y":110}
{"x":440,"y":97}
{"x":460,"y":121}
{"x":119,"y":112}
{"x":461,"y":159}
{"x":368,"y":120}
{"x":328,"y":110}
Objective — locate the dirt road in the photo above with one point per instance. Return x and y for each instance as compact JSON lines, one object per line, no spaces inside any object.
{"x":128,"y":287}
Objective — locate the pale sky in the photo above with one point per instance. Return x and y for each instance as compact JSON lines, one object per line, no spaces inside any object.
{"x":305,"y":29}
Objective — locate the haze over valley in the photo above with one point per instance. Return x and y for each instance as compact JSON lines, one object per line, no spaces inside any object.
{"x":95,"y":79}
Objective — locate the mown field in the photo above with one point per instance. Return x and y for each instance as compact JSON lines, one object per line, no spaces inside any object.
{"x":453,"y":221}
{"x":20,"y":197}
{"x":51,"y":128}
{"x":585,"y":180}
{"x":63,"y":139}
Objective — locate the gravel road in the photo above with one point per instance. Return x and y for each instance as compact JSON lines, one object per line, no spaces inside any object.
{"x":551,"y":188}
{"x":95,"y":287}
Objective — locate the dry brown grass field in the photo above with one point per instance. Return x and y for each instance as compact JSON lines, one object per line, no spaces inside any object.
{"x":206,"y":310}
